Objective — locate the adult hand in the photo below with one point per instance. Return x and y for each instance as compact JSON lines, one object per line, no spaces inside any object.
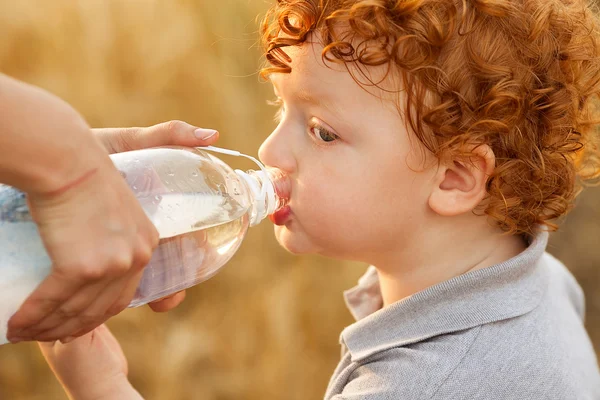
{"x":99,"y":239}
{"x":178,"y":133}
{"x":91,"y":367}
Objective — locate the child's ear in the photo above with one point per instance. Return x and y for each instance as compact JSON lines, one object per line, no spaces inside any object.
{"x":460,"y":186}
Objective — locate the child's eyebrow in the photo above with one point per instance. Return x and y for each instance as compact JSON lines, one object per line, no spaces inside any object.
{"x":307,"y":96}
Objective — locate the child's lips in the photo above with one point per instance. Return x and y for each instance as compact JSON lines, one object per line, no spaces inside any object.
{"x":283,"y":188}
{"x":281,"y":216}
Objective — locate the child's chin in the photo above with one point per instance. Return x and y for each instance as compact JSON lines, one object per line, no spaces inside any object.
{"x":292,"y":242}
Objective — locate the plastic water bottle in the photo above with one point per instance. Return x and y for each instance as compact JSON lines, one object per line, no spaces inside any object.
{"x":200,"y":206}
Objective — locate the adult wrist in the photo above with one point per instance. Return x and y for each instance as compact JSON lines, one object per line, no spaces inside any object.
{"x":78,"y":165}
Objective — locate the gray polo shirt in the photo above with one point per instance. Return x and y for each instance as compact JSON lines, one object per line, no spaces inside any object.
{"x":511,"y":331}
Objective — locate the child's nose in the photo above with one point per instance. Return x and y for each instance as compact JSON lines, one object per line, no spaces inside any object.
{"x":275,"y":152}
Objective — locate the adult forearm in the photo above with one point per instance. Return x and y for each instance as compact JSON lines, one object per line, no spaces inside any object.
{"x":44,"y":143}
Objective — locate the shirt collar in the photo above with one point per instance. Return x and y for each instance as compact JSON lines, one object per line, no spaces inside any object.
{"x":499,"y":292}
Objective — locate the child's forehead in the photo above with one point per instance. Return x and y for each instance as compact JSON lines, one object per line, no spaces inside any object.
{"x":310,"y":72}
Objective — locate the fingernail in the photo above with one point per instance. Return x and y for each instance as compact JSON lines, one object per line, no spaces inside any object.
{"x":67,"y":339}
{"x":204,"y":134}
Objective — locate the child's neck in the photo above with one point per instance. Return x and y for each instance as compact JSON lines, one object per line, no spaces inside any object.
{"x":445,"y":256}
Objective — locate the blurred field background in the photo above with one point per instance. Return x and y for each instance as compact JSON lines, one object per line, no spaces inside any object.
{"x":267,"y":326}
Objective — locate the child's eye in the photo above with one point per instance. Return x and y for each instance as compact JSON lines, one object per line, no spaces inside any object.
{"x":322,"y":134}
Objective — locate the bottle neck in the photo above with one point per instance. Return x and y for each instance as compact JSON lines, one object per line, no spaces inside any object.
{"x":269,"y":191}
{"x":269,"y":188}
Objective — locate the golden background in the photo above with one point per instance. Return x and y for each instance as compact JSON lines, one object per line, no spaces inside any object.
{"x":267,"y":326}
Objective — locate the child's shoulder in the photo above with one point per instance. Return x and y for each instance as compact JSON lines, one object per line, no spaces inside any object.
{"x":510,"y":331}
{"x":563,"y":286}
{"x":530,"y":356}
{"x":543,"y":353}
{"x":485,"y":362}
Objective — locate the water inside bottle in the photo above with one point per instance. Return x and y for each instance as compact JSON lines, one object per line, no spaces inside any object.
{"x":213,"y":231}
{"x":173,"y":213}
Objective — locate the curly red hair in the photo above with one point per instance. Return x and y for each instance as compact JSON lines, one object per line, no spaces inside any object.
{"x":521,"y":76}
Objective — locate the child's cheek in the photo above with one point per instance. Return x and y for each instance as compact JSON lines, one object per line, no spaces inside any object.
{"x":319,"y":207}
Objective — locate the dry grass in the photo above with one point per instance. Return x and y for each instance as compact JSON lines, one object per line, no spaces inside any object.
{"x":266,"y":327}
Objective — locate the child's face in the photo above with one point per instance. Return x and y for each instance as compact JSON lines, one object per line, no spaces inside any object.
{"x":359,"y":189}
